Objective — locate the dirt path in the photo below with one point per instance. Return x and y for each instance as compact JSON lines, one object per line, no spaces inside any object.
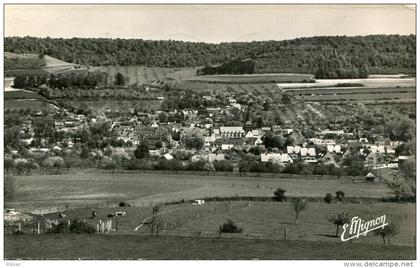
{"x":317,"y":112}
{"x":161,"y":213}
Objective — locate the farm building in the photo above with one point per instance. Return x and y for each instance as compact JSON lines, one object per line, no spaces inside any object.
{"x":370,"y":177}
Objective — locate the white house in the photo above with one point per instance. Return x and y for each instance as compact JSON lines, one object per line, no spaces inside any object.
{"x":307,"y":152}
{"x":334,"y":148}
{"x":227,"y":146}
{"x":281,"y":159}
{"x":232,"y":132}
{"x":293,"y":149}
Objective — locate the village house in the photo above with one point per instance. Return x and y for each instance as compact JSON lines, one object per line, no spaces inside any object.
{"x":277,"y":158}
{"x":232,"y":132}
{"x":336,"y":149}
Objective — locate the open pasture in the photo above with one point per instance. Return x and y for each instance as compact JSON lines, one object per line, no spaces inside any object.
{"x":23,"y":104}
{"x":367,"y":82}
{"x":361,"y":96}
{"x":253,"y":78}
{"x":268,"y":220}
{"x":142,"y":74}
{"x":39,"y":192}
{"x":89,"y":247}
{"x":20,"y":94}
{"x":265,"y":220}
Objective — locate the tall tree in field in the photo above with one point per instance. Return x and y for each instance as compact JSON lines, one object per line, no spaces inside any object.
{"x":119,"y":79}
{"x":298,"y":206}
{"x":339,"y":219}
{"x":386,"y":232}
{"x":142,"y":150}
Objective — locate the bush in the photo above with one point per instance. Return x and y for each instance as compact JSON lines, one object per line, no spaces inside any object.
{"x":405,"y":193}
{"x":124,"y":204}
{"x":339,"y":195}
{"x":328,"y":198}
{"x":17,"y":232}
{"x":81,"y":227}
{"x":223,"y":166}
{"x":279,"y":195}
{"x":60,"y":228}
{"x":230,"y":227}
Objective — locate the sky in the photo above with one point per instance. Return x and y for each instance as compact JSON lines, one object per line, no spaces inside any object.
{"x":207,"y":23}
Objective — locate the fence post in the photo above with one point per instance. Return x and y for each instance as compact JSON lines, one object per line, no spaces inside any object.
{"x":20,"y":227}
{"x":38,"y":228}
{"x":285,"y":233}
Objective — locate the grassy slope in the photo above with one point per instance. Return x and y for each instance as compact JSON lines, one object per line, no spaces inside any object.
{"x":146,"y":247}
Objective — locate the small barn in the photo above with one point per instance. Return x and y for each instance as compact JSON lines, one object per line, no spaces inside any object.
{"x":370,"y":177}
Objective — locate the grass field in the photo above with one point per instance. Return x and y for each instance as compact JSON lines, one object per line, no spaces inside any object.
{"x":266,"y":220}
{"x":125,"y":247}
{"x":117,"y":105}
{"x":367,"y":82}
{"x":22,"y":104}
{"x":35,"y":192}
{"x":253,"y":78}
{"x":20,"y":94}
{"x":142,"y":74}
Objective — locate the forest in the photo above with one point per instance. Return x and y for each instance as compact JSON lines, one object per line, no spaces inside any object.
{"x":328,"y":56}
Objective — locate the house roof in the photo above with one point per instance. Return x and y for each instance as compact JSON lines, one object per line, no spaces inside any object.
{"x":370,"y":175}
{"x":275,"y":157}
{"x":232,"y":129}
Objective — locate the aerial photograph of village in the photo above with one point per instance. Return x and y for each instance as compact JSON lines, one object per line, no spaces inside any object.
{"x":209,"y":132}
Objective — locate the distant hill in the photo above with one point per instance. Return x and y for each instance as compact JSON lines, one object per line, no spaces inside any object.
{"x":377,"y":53}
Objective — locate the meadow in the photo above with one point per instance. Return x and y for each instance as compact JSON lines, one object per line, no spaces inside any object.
{"x":129,"y":247}
{"x":193,"y":229}
{"x":262,"y":220}
{"x":41,"y":192}
{"x":253,"y":78}
{"x":23,"y":104}
{"x":141,"y":74}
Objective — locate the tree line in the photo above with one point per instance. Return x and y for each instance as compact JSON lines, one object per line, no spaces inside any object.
{"x":376,"y":53}
{"x":86,"y":80}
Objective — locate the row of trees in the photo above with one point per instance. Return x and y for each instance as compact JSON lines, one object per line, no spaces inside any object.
{"x":83,"y":79}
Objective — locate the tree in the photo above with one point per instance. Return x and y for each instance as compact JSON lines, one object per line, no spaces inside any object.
{"x":9,"y":186}
{"x":259,"y":122}
{"x":230,"y":227}
{"x":119,"y":79}
{"x":328,"y":198}
{"x":386,"y":232}
{"x":142,"y":150}
{"x":339,"y":195}
{"x":279,"y":195}
{"x":194,"y":142}
{"x":285,"y":98}
{"x":339,"y":219}
{"x":298,"y":206}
